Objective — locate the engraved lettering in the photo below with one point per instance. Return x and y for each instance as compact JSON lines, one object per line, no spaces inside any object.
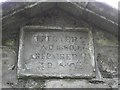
{"x":74,"y":39}
{"x":55,"y":53}
{"x":48,"y":55}
{"x":49,"y":65}
{"x":55,"y":39}
{"x":43,"y":47}
{"x":72,"y":65}
{"x":50,"y":47}
{"x":68,"y":56}
{"x":62,"y":56}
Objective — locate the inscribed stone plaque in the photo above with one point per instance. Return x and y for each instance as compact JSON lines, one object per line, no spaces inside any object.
{"x":56,"y":52}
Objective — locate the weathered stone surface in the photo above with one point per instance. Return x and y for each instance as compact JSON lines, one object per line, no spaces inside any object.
{"x":57,"y":17}
{"x":103,"y":10}
{"x":34,"y":83}
{"x":30,"y":83}
{"x":106,"y":53}
{"x":103,"y":38}
{"x":73,"y":84}
{"x":72,"y":8}
{"x":53,"y":17}
{"x":83,"y":4}
{"x":119,"y":83}
{"x":9,"y":68}
{"x":10,"y":7}
{"x":56,"y":52}
{"x":101,"y":22}
{"x":25,"y":14}
{"x":9,"y":42}
{"x":111,"y":82}
{"x":108,"y":61}
{"x":9,"y":58}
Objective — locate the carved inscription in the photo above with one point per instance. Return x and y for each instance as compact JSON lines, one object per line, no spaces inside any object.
{"x":54,"y":53}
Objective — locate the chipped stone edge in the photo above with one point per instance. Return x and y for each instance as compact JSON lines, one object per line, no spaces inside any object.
{"x":19,"y":52}
{"x":20,"y":71}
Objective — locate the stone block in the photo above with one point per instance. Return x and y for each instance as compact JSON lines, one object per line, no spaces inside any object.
{"x":73,"y":84}
{"x":56,"y":52}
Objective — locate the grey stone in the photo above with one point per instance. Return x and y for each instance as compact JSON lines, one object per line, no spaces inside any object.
{"x":103,"y":38}
{"x":106,"y":52}
{"x":53,"y":17}
{"x":56,"y":52}
{"x":72,"y":8}
{"x":9,"y":59}
{"x":119,"y":83}
{"x":30,"y":83}
{"x":40,"y":14}
{"x":108,"y":61}
{"x":103,"y":10}
{"x":101,"y":22}
{"x":21,"y":16}
{"x":34,"y":83}
{"x":9,"y":76}
{"x":9,"y":7}
{"x":67,"y":83}
{"x":83,"y":4}
{"x":41,"y":7}
{"x":111,"y":82}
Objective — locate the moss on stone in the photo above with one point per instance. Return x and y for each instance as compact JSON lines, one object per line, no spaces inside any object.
{"x":9,"y":42}
{"x":106,"y":39}
{"x":106,"y":42}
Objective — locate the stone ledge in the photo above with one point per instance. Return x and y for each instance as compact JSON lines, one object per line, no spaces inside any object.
{"x":79,"y":84}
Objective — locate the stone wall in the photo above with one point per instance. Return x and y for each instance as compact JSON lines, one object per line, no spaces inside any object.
{"x":105,"y":44}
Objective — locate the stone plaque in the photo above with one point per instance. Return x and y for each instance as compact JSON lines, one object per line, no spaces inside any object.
{"x":56,"y":52}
